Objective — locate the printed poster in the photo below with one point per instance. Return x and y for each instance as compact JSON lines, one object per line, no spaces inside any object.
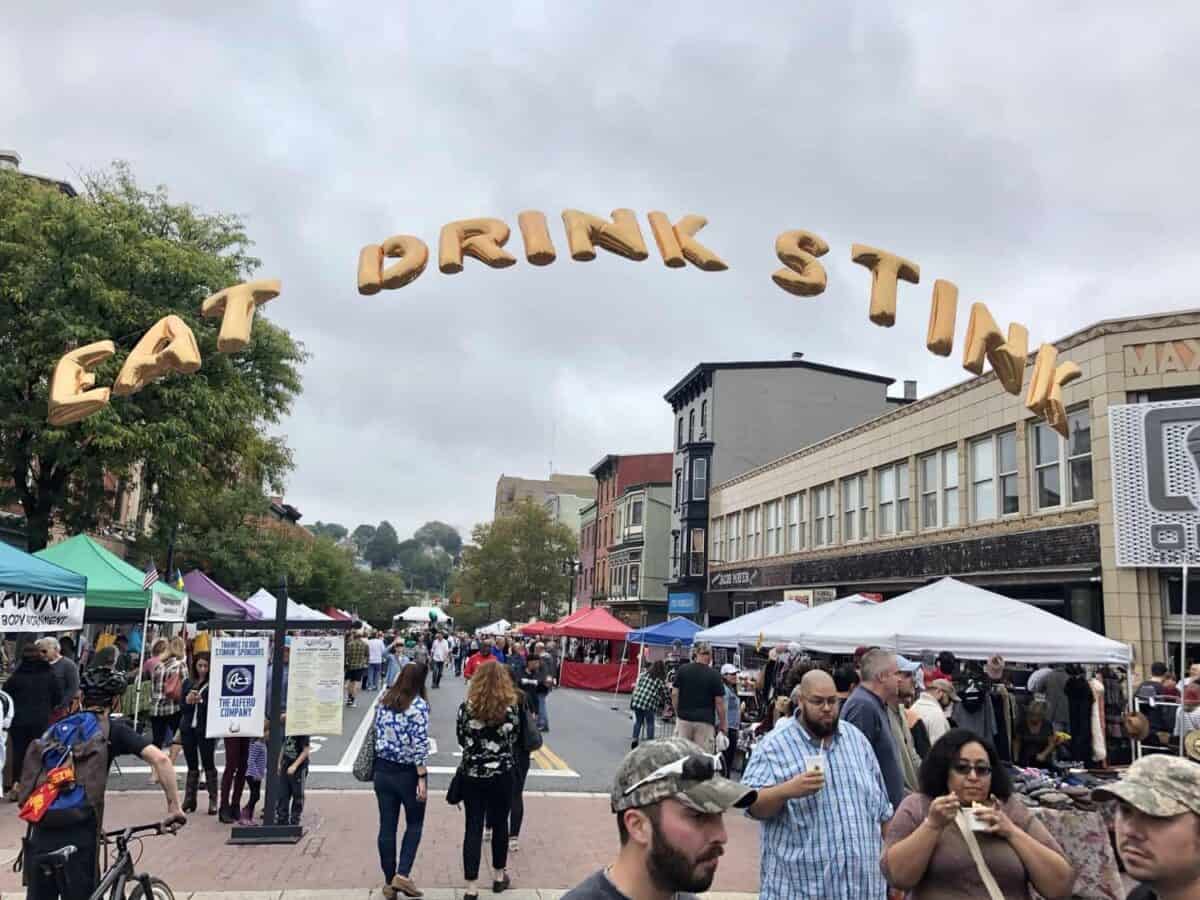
{"x":238,"y":696}
{"x":316,"y":676}
{"x":20,"y":611}
{"x":167,"y":608}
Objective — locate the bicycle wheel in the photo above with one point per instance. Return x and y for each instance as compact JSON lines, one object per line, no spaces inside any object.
{"x":159,"y":890}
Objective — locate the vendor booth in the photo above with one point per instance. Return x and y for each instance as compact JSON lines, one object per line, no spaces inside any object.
{"x":747,"y":629}
{"x":665,"y":634}
{"x":581,"y":665}
{"x":38,"y":596}
{"x":114,"y":587}
{"x":264,"y":601}
{"x":501,"y":626}
{"x":536,"y":628}
{"x":423,"y":615}
{"x":214,"y":600}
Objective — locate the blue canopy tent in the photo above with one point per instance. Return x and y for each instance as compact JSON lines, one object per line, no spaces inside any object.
{"x":27,"y":574}
{"x":665,"y":633}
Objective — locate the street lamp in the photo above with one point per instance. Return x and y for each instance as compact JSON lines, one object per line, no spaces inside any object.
{"x":572,"y":568}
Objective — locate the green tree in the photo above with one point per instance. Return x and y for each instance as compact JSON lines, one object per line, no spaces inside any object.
{"x":108,"y":265}
{"x":379,"y":596}
{"x":384,"y":546}
{"x":439,"y":534}
{"x":331,"y":579}
{"x":362,"y":538}
{"x":425,"y":567}
{"x":515,"y":563}
{"x":331,"y":530}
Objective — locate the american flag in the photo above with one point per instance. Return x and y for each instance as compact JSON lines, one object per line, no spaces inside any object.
{"x":150,"y":577}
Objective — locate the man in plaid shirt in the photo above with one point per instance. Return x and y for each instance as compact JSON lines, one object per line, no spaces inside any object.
{"x":648,"y":698}
{"x":357,"y":656}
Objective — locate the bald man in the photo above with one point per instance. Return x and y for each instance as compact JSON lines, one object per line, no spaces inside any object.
{"x":821,"y":801}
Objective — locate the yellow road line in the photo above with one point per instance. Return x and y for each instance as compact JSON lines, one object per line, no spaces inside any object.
{"x":548,"y":759}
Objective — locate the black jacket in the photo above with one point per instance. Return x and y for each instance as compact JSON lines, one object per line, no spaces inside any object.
{"x":35,"y":693}
{"x":199,"y":711}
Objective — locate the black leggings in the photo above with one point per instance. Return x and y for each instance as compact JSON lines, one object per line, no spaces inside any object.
{"x":486,"y":799}
{"x":198,"y":751}
{"x":162,"y":728}
{"x":518,"y":795}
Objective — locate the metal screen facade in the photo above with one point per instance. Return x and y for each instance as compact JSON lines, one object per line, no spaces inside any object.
{"x":1155,"y":451}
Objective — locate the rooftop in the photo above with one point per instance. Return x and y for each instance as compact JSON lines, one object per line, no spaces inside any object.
{"x":705,"y":369}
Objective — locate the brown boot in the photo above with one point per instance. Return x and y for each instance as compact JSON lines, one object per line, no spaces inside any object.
{"x":214,"y":788}
{"x":404,"y":885}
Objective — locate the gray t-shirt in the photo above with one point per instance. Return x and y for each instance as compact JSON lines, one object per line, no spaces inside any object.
{"x":866,"y":711}
{"x":598,"y":887}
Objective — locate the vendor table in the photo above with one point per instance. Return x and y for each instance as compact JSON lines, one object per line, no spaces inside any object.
{"x":1084,"y":839}
{"x":598,"y":676}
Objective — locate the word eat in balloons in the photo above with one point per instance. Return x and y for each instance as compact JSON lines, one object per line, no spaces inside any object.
{"x":169,"y":345}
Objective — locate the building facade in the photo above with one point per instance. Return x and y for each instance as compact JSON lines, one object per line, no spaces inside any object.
{"x":968,"y":483}
{"x":731,"y":417}
{"x":587,"y":557}
{"x":638,"y":557}
{"x":565,"y":508}
{"x":511,"y":490}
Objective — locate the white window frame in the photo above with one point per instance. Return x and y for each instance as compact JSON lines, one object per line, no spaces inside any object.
{"x":716,"y":538}
{"x":1063,"y":462}
{"x":634,"y":571}
{"x":945,"y":460}
{"x":773,"y":546}
{"x":700,"y":478}
{"x":893,"y":503}
{"x":794,"y":510}
{"x":696,"y":547}
{"x":637,"y":510}
{"x":734,"y":537}
{"x":999,"y":477}
{"x":855,"y":511}
{"x":753,"y":532}
{"x":824,"y":515}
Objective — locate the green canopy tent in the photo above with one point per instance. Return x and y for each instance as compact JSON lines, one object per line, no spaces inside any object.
{"x":114,"y":587}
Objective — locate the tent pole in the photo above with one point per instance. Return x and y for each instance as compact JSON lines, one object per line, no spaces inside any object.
{"x":1183,"y":642}
{"x":137,"y":691}
{"x":1135,"y":746}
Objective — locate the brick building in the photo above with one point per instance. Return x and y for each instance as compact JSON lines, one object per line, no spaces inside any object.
{"x":966,"y":482}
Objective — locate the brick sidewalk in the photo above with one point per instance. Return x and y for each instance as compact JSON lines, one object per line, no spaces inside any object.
{"x":564,"y":839}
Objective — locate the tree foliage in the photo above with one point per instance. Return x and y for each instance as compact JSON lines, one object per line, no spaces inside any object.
{"x":108,"y":265}
{"x":384,"y":547}
{"x":331,"y":530}
{"x":362,"y":538}
{"x":515,"y":563}
{"x":439,"y":534}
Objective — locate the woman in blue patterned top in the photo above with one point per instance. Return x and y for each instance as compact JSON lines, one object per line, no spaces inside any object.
{"x":401,"y":736}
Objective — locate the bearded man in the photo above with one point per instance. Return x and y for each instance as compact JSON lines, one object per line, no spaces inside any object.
{"x":822,"y":803}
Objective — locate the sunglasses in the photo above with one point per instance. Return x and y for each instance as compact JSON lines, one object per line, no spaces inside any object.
{"x":983,"y":770}
{"x":830,"y":702}
{"x":696,"y":767}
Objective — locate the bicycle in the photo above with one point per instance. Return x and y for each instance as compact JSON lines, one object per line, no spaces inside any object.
{"x":121,"y":872}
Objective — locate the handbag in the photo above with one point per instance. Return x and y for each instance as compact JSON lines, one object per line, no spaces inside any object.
{"x":989,"y":880}
{"x":364,"y":763}
{"x":454,"y":793}
{"x":532,"y":739}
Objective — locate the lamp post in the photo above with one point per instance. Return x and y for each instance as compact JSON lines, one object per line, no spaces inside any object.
{"x":572,"y":568}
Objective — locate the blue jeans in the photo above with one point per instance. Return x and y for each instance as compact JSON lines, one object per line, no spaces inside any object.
{"x":643,"y":717}
{"x":373,"y":675}
{"x":543,"y":714}
{"x":396,"y":789}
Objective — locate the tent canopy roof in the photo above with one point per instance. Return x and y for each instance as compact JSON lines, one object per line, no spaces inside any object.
{"x":746,"y":629}
{"x":264,"y":601}
{"x":500,"y":626}
{"x":421,"y":614}
{"x":597,"y":623}
{"x":535,"y":627}
{"x":220,"y":602}
{"x":112,"y":583}
{"x":969,"y":621}
{"x":29,"y":574}
{"x":666,"y":633}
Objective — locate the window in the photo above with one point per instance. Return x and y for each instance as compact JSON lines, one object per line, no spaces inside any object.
{"x":939,"y":488}
{"x":704,"y":418}
{"x":854,"y":507}
{"x":823,"y":515}
{"x":675,"y":554}
{"x":716,"y":551}
{"x":691,"y":425}
{"x":773,"y":545}
{"x":634,"y":575}
{"x":635,"y":514}
{"x":1063,"y":464}
{"x":994,"y":476}
{"x":696,"y":566}
{"x":735,"y":538}
{"x":699,"y":479}
{"x":753,"y":532}
{"x":678,"y":487}
{"x":892,"y":496}
{"x":679,"y":433}
{"x":794,"y":510}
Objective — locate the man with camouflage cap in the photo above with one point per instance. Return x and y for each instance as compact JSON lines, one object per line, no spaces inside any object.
{"x":1158,"y":826}
{"x":669,"y":797}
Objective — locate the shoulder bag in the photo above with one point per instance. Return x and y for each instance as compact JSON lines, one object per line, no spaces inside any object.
{"x":364,"y":763}
{"x":989,"y":880}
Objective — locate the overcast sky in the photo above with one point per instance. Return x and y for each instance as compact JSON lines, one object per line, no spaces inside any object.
{"x":1043,"y":161}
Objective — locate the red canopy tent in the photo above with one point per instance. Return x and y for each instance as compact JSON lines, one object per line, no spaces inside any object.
{"x":596,"y":624}
{"x":335,"y":613}
{"x":536,"y":628}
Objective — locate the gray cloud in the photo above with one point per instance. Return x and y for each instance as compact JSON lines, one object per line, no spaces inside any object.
{"x":1040,"y":158}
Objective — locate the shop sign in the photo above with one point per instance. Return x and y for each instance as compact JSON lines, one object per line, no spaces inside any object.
{"x":1156,"y":483}
{"x":799,"y":595}
{"x":1162,"y":357}
{"x":684,"y":603}
{"x":734,"y":579}
{"x":239,"y":666}
{"x":21,"y":611}
{"x":167,"y":608}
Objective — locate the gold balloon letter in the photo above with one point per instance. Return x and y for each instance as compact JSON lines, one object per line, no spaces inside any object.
{"x":798,"y":250}
{"x":1006,"y":356}
{"x":72,"y":392}
{"x":886,"y":269}
{"x":1045,"y":388}
{"x":480,"y":238}
{"x":236,"y":305}
{"x":373,"y":277}
{"x":677,"y":245}
{"x":621,"y":236}
{"x":169,"y":346}
{"x":942,"y":313}
{"x":539,"y":249}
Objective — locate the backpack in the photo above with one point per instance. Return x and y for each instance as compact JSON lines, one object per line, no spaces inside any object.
{"x":173,"y":683}
{"x":79,"y":745}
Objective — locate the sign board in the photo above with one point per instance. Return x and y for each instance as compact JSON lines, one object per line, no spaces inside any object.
{"x":823,"y":595}
{"x":683,"y":603}
{"x":239,"y":680}
{"x":800,"y":595}
{"x":734,"y":579}
{"x":1155,"y":450}
{"x":20,"y":611}
{"x":166,"y":608}
{"x":315,"y":685}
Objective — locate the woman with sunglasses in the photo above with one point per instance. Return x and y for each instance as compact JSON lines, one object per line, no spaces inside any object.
{"x":926,"y":853}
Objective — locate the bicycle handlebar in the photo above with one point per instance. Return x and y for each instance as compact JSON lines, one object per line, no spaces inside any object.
{"x":170,"y":825}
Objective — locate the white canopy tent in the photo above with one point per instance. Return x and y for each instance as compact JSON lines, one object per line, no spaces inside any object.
{"x":503,"y":626}
{"x":801,"y":623}
{"x":421,"y":614}
{"x":969,"y":621}
{"x":264,"y":601}
{"x":746,"y":629}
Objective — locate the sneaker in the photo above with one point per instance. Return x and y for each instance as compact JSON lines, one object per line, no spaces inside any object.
{"x":513,"y":844}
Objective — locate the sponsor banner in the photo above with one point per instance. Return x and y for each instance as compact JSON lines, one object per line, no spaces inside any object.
{"x":316,"y":678}
{"x":238,"y":697}
{"x":20,"y":611}
{"x":165,"y":608}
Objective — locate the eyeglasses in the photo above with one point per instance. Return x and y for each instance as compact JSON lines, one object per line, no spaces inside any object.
{"x":983,"y":770}
{"x":829,"y":702}
{"x":696,"y":767}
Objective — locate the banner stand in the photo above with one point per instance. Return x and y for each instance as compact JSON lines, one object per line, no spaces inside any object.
{"x":137,"y":706}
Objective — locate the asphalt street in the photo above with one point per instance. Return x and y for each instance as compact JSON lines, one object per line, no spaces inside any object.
{"x":587,"y":739}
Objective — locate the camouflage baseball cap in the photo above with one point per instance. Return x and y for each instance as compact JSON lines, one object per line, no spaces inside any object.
{"x":711,"y":795}
{"x":1158,"y":785}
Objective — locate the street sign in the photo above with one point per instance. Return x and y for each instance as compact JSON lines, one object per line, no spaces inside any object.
{"x":1156,"y":483}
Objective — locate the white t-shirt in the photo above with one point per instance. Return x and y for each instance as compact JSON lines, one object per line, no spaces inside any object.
{"x":375,"y":651}
{"x":441,"y":650}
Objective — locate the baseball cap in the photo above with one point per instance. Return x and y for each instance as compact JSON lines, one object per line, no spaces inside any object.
{"x":946,"y":685}
{"x":904,"y":664}
{"x":710,"y":795}
{"x":729,"y":669}
{"x":1158,"y":785}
